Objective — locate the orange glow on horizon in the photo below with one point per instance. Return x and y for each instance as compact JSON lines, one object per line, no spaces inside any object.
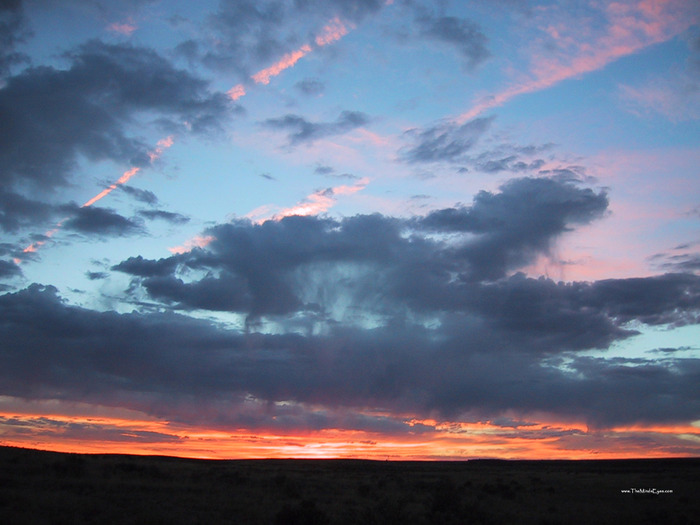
{"x":144,"y":435}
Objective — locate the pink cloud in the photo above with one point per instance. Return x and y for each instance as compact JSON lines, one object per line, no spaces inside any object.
{"x":123,"y":29}
{"x":629,"y":28}
{"x":318,"y":202}
{"x":236,"y":92}
{"x":287,"y":61}
{"x":332,"y":32}
{"x":195,"y":242}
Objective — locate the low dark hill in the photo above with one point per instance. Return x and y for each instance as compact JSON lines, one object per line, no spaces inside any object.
{"x":52,"y":488}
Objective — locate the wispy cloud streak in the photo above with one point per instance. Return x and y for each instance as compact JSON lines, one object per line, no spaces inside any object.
{"x":153,"y":155}
{"x":630,"y":28}
{"x":331,"y":32}
{"x":318,"y":202}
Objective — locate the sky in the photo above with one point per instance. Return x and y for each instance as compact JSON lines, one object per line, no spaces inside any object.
{"x":351,"y":228}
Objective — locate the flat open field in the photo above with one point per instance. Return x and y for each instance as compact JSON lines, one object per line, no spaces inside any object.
{"x":46,"y":487}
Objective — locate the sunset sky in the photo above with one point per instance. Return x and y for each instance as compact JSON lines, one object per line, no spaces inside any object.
{"x":351,"y":228}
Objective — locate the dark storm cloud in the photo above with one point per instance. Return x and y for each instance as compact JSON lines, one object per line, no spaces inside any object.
{"x":12,"y":31}
{"x":261,"y":269}
{"x":192,"y":371}
{"x":147,"y":268}
{"x":17,"y":211}
{"x":9,"y":269}
{"x":52,"y":116}
{"x":517,"y":223}
{"x":93,"y":220}
{"x":96,"y":276}
{"x":168,"y":216}
{"x":464,"y":35}
{"x":302,"y":130}
{"x":444,"y":142}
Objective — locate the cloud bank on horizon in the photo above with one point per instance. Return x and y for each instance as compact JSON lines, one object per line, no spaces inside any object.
{"x":351,"y":228}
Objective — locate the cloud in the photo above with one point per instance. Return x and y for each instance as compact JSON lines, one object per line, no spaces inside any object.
{"x":96,"y":276}
{"x":17,"y":211}
{"x":9,"y":269}
{"x":610,"y":31}
{"x":145,"y":196}
{"x":318,"y":202}
{"x":126,"y":28}
{"x":310,"y":86}
{"x":192,"y":371}
{"x":12,"y":31}
{"x":305,"y":131}
{"x":464,"y":35}
{"x":52,"y":117}
{"x":250,"y":34}
{"x":416,"y":260}
{"x":168,"y":216}
{"x":445,"y":141}
{"x":145,"y":267}
{"x":93,"y":220}
{"x":518,"y":223}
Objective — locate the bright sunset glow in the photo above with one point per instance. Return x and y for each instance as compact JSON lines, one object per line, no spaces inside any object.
{"x":357,"y":229}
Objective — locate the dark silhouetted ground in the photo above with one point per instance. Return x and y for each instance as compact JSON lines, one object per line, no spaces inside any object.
{"x":45,"y":487}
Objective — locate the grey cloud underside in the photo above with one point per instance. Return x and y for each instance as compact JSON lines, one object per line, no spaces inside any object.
{"x":464,"y":35}
{"x":145,"y":196}
{"x":17,"y":211}
{"x":94,"y":220}
{"x":444,"y":141}
{"x":12,"y":32}
{"x":192,"y":371}
{"x":301,"y":130}
{"x":426,"y":263}
{"x":168,"y":216}
{"x":310,"y":87}
{"x":9,"y":269}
